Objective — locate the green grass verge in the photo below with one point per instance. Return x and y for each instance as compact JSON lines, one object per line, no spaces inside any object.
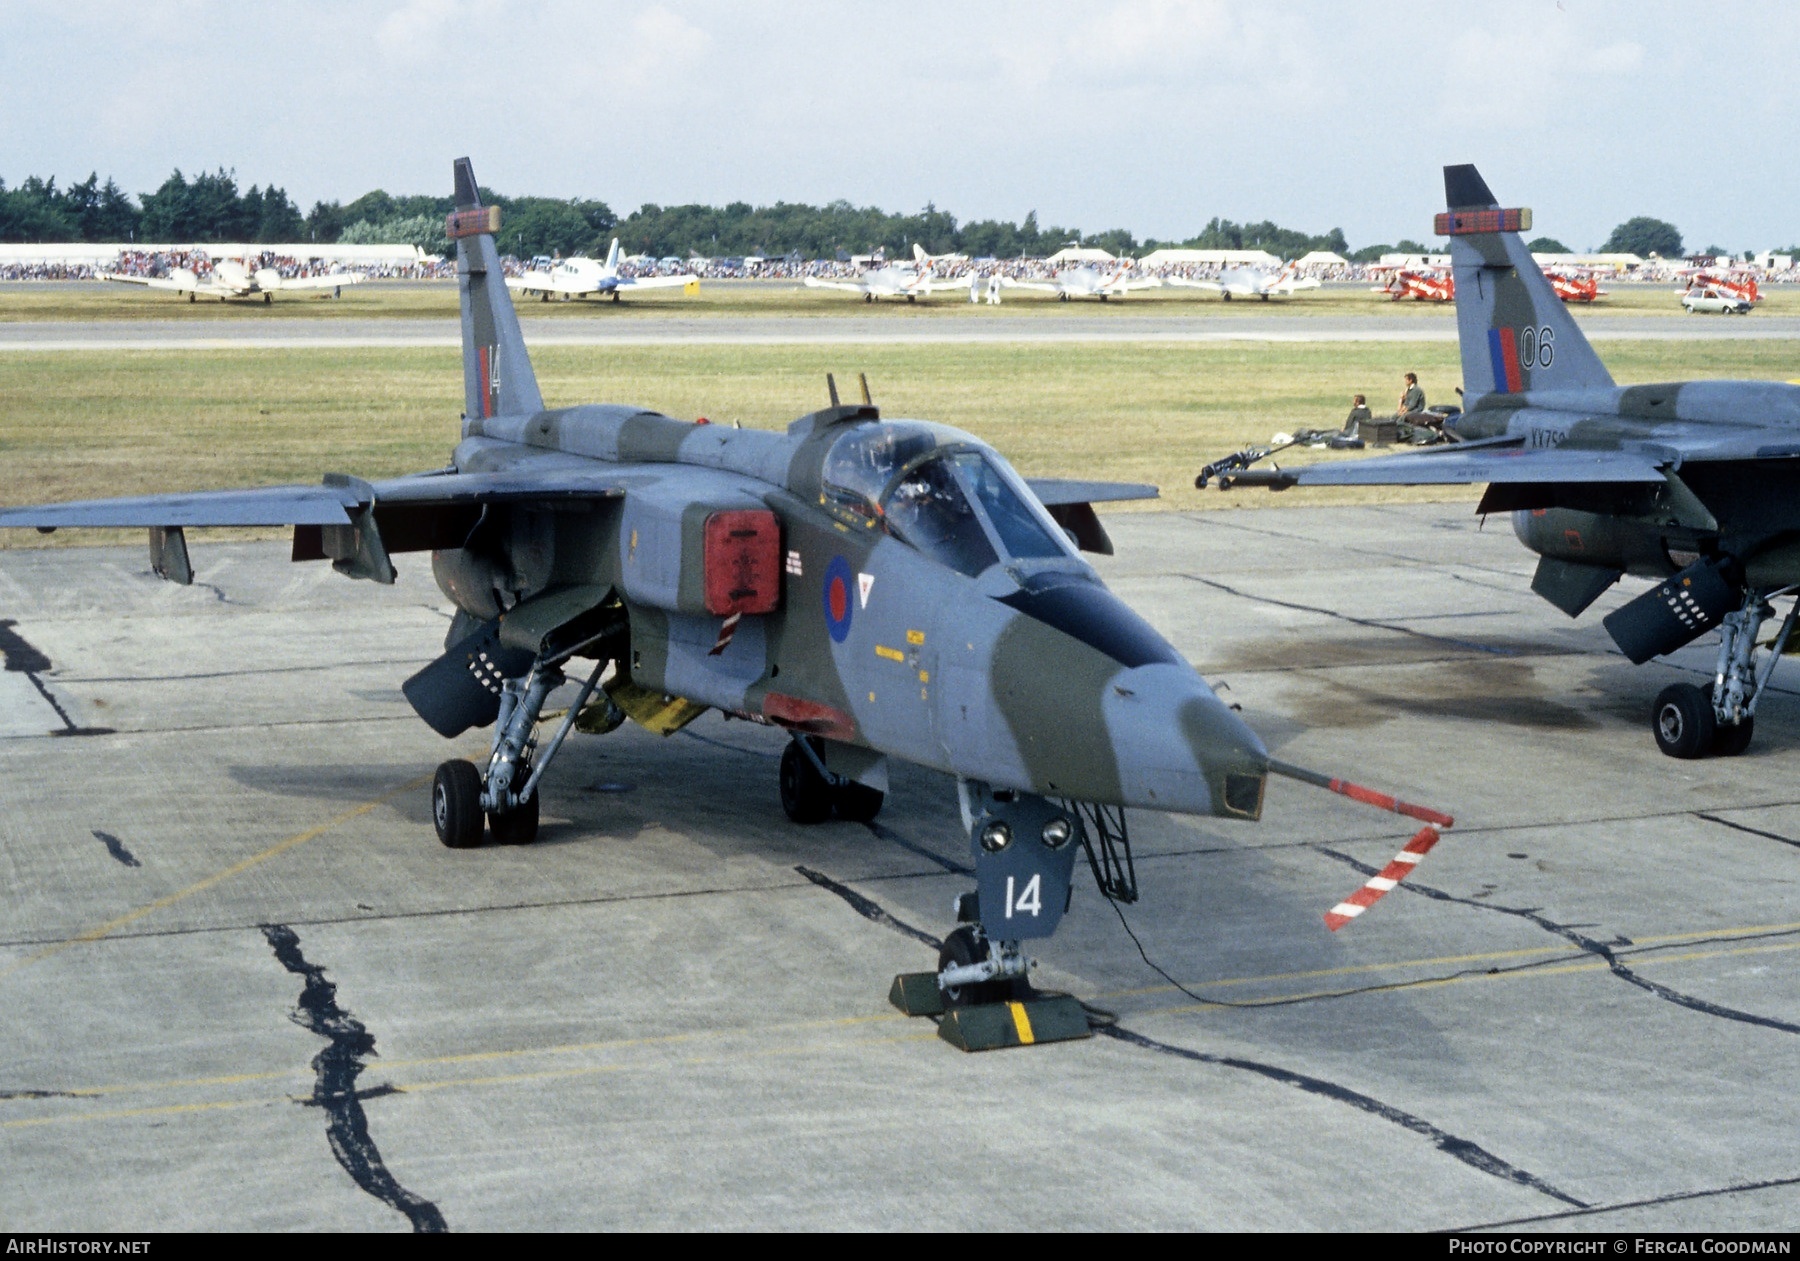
{"x":79,"y":424}
{"x":53,"y":302}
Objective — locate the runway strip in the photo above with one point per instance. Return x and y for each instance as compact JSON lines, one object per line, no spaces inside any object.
{"x":911,"y":328}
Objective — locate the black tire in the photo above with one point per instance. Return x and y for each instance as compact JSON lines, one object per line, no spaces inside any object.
{"x":518,"y":826}
{"x":805,"y":796}
{"x":1682,"y":721}
{"x":857,"y":803}
{"x":964,"y":946}
{"x":1729,"y":741}
{"x":456,"y":804}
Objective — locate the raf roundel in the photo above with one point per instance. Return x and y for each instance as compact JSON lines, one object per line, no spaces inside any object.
{"x":840,"y":602}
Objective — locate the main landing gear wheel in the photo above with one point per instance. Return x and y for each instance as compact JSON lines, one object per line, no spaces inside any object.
{"x":518,"y":826}
{"x":1683,"y":721}
{"x":965,"y":946}
{"x":1729,"y":740}
{"x":806,"y":795}
{"x":858,"y":803}
{"x":456,"y":804}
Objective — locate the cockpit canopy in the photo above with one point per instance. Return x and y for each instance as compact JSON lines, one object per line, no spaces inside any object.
{"x":942,"y":492}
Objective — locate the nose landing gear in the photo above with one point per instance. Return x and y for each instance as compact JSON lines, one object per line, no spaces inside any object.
{"x":1024,"y":847}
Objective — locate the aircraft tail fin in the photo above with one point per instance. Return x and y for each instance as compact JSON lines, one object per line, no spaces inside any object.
{"x":497,"y":376}
{"x":1516,"y":334}
{"x":612,"y":255}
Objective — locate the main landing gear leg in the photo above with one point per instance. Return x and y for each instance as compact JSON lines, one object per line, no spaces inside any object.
{"x":1691,"y":722}
{"x":1024,"y":848}
{"x":508,"y":794}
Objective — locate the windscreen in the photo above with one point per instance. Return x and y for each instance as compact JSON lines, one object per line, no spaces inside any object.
{"x":929,"y":510}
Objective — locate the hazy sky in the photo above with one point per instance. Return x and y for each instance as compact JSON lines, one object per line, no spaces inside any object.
{"x":1147,"y":114}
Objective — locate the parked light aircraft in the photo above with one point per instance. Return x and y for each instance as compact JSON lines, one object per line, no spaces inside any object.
{"x":579,"y":277}
{"x":876,"y":588}
{"x":911,"y":281}
{"x":1250,"y":282}
{"x":231,"y":278}
{"x":1087,"y":282}
{"x":1696,"y":483}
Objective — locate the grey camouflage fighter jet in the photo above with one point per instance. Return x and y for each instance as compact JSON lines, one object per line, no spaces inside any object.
{"x":877,"y":588}
{"x":1696,"y":483}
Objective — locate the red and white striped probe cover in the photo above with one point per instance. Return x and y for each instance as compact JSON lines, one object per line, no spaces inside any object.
{"x":1377,"y":885}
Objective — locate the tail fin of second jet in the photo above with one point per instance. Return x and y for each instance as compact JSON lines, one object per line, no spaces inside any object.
{"x":497,"y":376}
{"x":1516,"y":334}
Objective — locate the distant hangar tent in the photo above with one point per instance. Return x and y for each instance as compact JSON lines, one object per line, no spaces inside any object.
{"x":1081,"y":254}
{"x":1209,"y":258}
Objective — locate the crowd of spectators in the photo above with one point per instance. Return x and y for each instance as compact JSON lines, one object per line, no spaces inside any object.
{"x":134,"y":262}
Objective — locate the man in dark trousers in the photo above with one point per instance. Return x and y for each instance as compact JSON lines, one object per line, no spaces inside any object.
{"x":1413,"y":400}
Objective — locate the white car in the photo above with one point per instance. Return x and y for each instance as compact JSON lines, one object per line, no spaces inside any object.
{"x":1710,"y":300}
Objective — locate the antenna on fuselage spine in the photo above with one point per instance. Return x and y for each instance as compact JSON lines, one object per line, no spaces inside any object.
{"x":864,"y":378}
{"x":831,"y":387}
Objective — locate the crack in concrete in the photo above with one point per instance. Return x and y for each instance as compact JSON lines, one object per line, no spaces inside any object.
{"x":868,"y":908}
{"x":1599,"y":949}
{"x":1469,"y":1153}
{"x":1461,"y":1149}
{"x":337,"y":1067}
{"x":1674,"y":1197}
{"x":116,"y":848}
{"x":1741,"y":827}
{"x":1467,"y":644}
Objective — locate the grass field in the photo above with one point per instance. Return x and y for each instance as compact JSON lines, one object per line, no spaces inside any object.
{"x":23,"y":302}
{"x":91,"y":424}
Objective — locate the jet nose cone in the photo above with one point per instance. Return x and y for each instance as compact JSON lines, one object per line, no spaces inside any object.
{"x":1180,"y":748}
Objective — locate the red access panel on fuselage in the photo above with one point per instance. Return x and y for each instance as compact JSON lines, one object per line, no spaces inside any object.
{"x":743,"y":562}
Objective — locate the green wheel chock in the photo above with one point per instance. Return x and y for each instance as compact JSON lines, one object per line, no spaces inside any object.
{"x":991,"y":1026}
{"x":917,"y":994}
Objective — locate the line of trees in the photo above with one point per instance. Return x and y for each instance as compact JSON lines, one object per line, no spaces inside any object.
{"x":211,"y":208}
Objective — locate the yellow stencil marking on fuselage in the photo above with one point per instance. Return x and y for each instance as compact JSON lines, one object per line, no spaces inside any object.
{"x":915,"y":638}
{"x":892,"y":654}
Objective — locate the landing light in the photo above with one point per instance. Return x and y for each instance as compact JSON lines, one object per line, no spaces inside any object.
{"x":995,"y":837}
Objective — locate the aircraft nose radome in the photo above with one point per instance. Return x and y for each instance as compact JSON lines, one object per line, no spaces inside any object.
{"x":1180,"y":748}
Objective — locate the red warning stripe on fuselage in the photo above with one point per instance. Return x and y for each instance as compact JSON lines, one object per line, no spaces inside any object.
{"x":487,"y":390}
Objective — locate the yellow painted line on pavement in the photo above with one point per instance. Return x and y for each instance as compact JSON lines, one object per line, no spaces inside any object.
{"x":1523,"y":974}
{"x":112,"y":926}
{"x":1356,"y":969}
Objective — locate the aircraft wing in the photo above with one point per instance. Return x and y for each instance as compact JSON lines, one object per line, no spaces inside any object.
{"x":333,"y":503}
{"x":688,"y":281}
{"x":154,"y":282}
{"x":1071,"y":504}
{"x":848,"y":286}
{"x":329,"y":281}
{"x":1054,"y":492}
{"x":1125,"y":286}
{"x":532,"y":282}
{"x":1042,"y":286}
{"x":1182,"y":282}
{"x":1507,"y":465}
{"x":268,"y":505}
